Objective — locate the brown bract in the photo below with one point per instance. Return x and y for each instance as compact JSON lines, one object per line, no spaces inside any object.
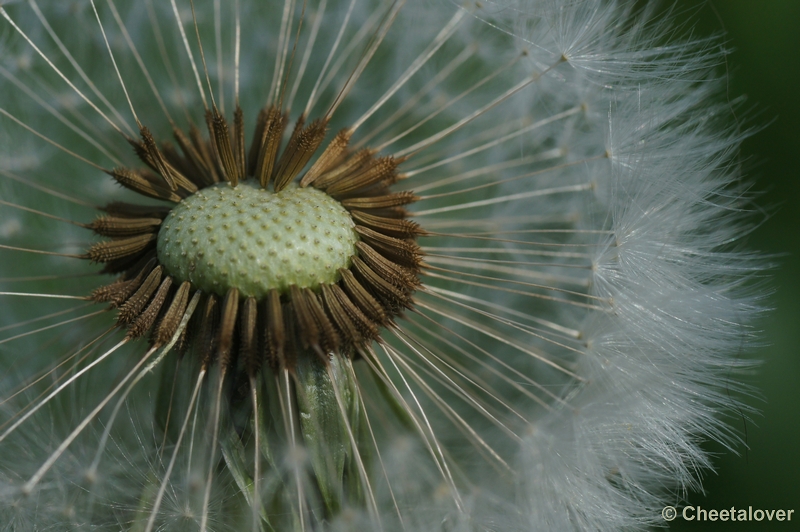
{"x":338,"y":318}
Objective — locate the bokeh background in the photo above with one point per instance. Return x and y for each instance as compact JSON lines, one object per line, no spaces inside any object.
{"x":764,"y":65}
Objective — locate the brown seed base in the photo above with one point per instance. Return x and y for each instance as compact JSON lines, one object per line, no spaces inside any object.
{"x":339,"y":318}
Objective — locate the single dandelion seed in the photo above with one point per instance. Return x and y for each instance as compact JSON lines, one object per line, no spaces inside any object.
{"x":367,"y":265}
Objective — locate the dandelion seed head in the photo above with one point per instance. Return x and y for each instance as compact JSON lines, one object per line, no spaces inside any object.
{"x":523,"y":314}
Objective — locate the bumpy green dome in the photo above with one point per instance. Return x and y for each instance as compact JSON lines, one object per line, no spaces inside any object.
{"x":255,"y":240}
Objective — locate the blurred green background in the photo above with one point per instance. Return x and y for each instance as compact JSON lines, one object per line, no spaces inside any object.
{"x":765,"y":66}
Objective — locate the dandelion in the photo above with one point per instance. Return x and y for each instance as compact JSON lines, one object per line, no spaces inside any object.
{"x":362,"y":265}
